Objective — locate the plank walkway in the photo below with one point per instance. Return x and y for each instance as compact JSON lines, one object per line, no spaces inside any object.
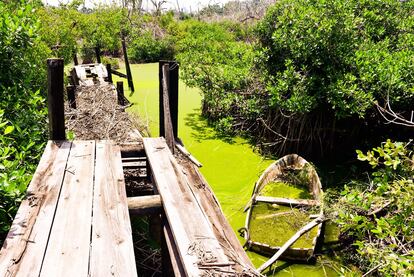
{"x":74,"y":220}
{"x":191,"y":237}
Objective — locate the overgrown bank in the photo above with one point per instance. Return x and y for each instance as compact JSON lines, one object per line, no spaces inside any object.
{"x":310,"y":77}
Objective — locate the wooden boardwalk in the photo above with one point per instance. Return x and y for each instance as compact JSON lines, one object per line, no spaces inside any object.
{"x":195,"y":247}
{"x":74,"y":220}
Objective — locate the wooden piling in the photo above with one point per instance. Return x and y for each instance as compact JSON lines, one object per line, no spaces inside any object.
{"x":168,"y":129}
{"x":98,"y":54}
{"x":128,"y":69}
{"x":173,"y":75}
{"x":120,"y":92}
{"x":75,"y":58}
{"x":55,"y":99}
{"x":109,"y":70}
{"x":71,"y":96}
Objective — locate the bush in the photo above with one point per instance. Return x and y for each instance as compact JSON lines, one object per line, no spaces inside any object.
{"x":338,"y":55}
{"x":144,"y":47}
{"x":22,"y":105}
{"x":376,"y":218}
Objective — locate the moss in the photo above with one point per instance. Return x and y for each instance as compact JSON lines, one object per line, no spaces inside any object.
{"x":282,"y":189}
{"x":282,"y":222}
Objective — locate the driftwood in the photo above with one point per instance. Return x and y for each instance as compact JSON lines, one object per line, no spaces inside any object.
{"x":291,"y":241}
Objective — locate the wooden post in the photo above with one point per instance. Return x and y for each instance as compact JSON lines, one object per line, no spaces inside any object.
{"x":98,"y":54}
{"x":55,"y":99}
{"x":172,"y":93}
{"x":75,"y":58}
{"x":109,"y":70}
{"x":168,"y":130}
{"x":128,"y":69}
{"x":120,"y":92}
{"x":71,"y":96}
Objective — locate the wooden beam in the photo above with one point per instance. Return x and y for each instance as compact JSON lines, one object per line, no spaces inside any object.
{"x":55,"y":99}
{"x":112,"y":250}
{"x":128,"y":69}
{"x":145,"y":205}
{"x":190,"y":226}
{"x":120,"y":92}
{"x":120,"y":74}
{"x":286,"y":201}
{"x":67,"y":252}
{"x":109,"y":71}
{"x":169,"y":133}
{"x":291,"y":241}
{"x":172,"y":93}
{"x":23,"y":250}
{"x":98,"y":54}
{"x":71,"y":96}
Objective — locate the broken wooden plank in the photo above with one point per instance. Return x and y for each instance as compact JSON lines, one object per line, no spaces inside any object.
{"x":67,"y":252}
{"x":192,"y":233}
{"x":134,"y":164}
{"x":221,"y":227}
{"x":24,"y":247}
{"x":112,"y":250}
{"x":184,"y":151}
{"x":117,"y":73}
{"x":291,"y":241}
{"x":145,"y":205}
{"x":286,"y":201}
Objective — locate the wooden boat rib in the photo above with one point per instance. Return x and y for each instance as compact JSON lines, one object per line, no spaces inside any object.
{"x":272,"y":173}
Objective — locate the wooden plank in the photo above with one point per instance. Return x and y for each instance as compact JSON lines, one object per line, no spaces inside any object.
{"x":67,"y":253}
{"x":145,"y":205}
{"x":169,"y":134}
{"x":112,"y":252}
{"x":134,"y":164}
{"x":286,"y":201}
{"x":189,"y":226}
{"x":221,"y":227}
{"x":175,"y":262}
{"x":24,"y":247}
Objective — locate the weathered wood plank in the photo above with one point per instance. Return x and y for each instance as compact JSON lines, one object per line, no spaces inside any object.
{"x":221,"y":227}
{"x":112,"y":252}
{"x":286,"y":201}
{"x":145,"y":205}
{"x":24,"y":248}
{"x":190,"y":228}
{"x":67,"y":252}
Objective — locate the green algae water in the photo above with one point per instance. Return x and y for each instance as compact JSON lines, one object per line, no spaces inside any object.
{"x":230,"y":166}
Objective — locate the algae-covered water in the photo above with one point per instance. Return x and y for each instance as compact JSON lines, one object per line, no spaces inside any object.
{"x":230,"y":165}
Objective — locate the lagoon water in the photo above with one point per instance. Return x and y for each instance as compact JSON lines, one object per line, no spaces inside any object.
{"x":230,"y":165}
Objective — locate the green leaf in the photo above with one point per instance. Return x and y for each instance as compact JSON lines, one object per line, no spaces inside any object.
{"x":8,"y":129}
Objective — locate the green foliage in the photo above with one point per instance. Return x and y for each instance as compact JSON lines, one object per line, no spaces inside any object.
{"x":219,"y":65}
{"x":144,"y":47}
{"x":378,"y":216}
{"x":66,"y":30}
{"x":343,"y":55}
{"x":22,"y":109}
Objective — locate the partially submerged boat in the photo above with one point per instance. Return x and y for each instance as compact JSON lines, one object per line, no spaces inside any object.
{"x":286,"y":197}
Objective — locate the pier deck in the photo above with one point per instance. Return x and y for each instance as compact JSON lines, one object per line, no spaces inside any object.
{"x":74,"y":220}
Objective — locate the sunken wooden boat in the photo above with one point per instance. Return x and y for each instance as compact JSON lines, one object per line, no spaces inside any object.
{"x":286,"y":197}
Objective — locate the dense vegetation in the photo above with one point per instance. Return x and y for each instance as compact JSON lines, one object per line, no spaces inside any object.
{"x":308,"y":77}
{"x":22,"y":76}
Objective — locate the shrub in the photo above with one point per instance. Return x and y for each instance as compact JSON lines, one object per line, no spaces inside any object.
{"x":22,"y":105}
{"x":376,"y":217}
{"x":340,"y":55}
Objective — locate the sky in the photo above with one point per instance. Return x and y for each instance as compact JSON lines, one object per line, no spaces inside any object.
{"x":171,"y":4}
